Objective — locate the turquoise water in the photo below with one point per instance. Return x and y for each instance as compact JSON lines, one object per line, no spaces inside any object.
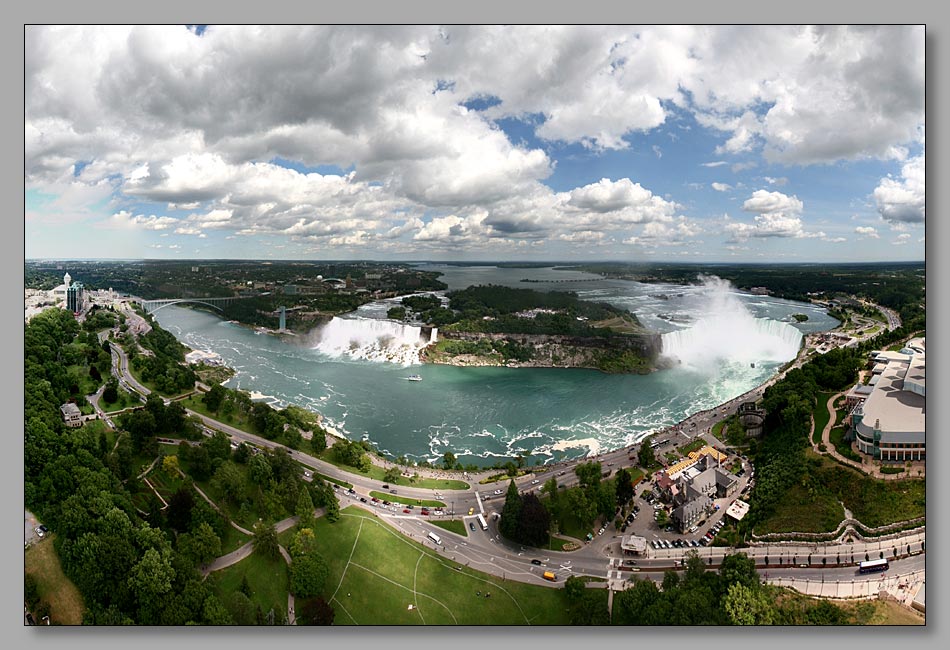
{"x":486,"y":414}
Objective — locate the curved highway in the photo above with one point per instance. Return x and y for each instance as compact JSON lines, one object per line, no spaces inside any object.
{"x":602,"y":557}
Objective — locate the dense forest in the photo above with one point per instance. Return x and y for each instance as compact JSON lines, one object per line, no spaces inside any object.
{"x":134,"y":561}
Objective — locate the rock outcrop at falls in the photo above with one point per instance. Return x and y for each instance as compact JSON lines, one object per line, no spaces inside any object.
{"x":629,"y":353}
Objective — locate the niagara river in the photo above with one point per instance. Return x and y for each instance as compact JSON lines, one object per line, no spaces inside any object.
{"x":354,"y":370}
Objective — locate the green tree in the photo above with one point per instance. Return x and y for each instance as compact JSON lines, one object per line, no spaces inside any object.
{"x":645,"y":455}
{"x":150,"y":581}
{"x":574,"y":588}
{"x":304,"y":509}
{"x":315,"y":611}
{"x":241,"y":608}
{"x":738,"y":568}
{"x":215,"y":613}
{"x":448,"y":460}
{"x":746,"y":605}
{"x":624,"y":486}
{"x":229,"y":481}
{"x":331,"y":503}
{"x":588,"y":474}
{"x":511,"y":513}
{"x":259,"y":470}
{"x":309,"y":570}
{"x":214,"y":397}
{"x":318,"y":442}
{"x":201,"y":546}
{"x":110,"y":394}
{"x":265,"y":540}
{"x":534,"y":521}
{"x":392,"y":474}
{"x":179,"y":510}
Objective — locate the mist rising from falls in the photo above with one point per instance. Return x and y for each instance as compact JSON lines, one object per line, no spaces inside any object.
{"x":372,"y":339}
{"x":729,"y":333}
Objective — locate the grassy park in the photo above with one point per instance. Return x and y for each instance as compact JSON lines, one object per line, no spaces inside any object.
{"x":376,"y":574}
{"x":268,"y":582}
{"x":52,"y":586}
{"x":821,"y":415}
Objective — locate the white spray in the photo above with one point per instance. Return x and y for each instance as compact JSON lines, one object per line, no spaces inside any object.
{"x":373,"y":340}
{"x":729,"y":333}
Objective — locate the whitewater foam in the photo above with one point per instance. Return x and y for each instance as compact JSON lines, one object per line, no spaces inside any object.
{"x":727,"y":332}
{"x":372,"y":339}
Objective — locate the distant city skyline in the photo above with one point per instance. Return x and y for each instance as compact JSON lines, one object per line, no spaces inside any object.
{"x":760,"y":144}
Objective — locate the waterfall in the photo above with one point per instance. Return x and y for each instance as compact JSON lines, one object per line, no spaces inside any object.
{"x":728,"y":332}
{"x":373,"y":340}
{"x":737,"y":337}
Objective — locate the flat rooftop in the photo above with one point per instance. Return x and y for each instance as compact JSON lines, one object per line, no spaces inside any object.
{"x":900,"y":411}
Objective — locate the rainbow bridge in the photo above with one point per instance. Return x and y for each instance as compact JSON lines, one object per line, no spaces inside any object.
{"x":152,"y":306}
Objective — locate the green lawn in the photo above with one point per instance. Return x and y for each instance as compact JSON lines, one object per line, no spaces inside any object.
{"x":124,"y":400}
{"x":836,"y":437}
{"x":452,"y":525}
{"x":717,"y":430}
{"x":149,"y":385}
{"x":376,"y":574}
{"x":695,"y":445}
{"x":236,"y":420}
{"x":233,"y":539}
{"x":54,"y":588}
{"x":821,"y":415}
{"x":386,"y":496}
{"x":79,"y":374}
{"x":268,"y":581}
{"x":379,"y":474}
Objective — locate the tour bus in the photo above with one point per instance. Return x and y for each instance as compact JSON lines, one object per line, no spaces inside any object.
{"x":873,"y":566}
{"x":435,"y":538}
{"x":548,"y":575}
{"x":482,"y":522}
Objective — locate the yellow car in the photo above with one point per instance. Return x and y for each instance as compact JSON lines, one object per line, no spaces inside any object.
{"x":471,"y":510}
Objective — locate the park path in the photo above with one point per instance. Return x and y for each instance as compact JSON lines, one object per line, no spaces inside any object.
{"x":867,"y":466}
{"x":246,"y":549}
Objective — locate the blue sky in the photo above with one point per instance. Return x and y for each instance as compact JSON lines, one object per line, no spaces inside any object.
{"x":706,"y":144}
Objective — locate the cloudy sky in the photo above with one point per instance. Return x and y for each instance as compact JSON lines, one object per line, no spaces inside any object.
{"x":740,"y":143}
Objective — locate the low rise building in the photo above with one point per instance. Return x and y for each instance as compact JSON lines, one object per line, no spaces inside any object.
{"x":633,"y":545}
{"x":889,"y":424}
{"x":71,"y":415}
{"x":691,"y":512}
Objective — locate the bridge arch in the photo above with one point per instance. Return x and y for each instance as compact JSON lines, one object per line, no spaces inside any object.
{"x":152,"y":306}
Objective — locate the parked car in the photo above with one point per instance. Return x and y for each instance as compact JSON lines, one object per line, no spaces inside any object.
{"x":471,"y":526}
{"x":536,"y":562}
{"x":363,"y":499}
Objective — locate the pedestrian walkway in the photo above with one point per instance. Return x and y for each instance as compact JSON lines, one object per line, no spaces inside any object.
{"x":903,"y":589}
{"x":868,"y":465}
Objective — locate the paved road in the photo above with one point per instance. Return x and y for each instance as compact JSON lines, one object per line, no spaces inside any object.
{"x":489,"y":552}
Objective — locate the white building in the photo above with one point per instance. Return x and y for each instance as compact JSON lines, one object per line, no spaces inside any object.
{"x":890,"y":423}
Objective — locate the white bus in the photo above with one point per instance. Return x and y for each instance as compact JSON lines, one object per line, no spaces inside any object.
{"x":481,"y":521}
{"x":435,"y":538}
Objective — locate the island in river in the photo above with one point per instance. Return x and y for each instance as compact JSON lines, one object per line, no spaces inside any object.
{"x":490,"y":325}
